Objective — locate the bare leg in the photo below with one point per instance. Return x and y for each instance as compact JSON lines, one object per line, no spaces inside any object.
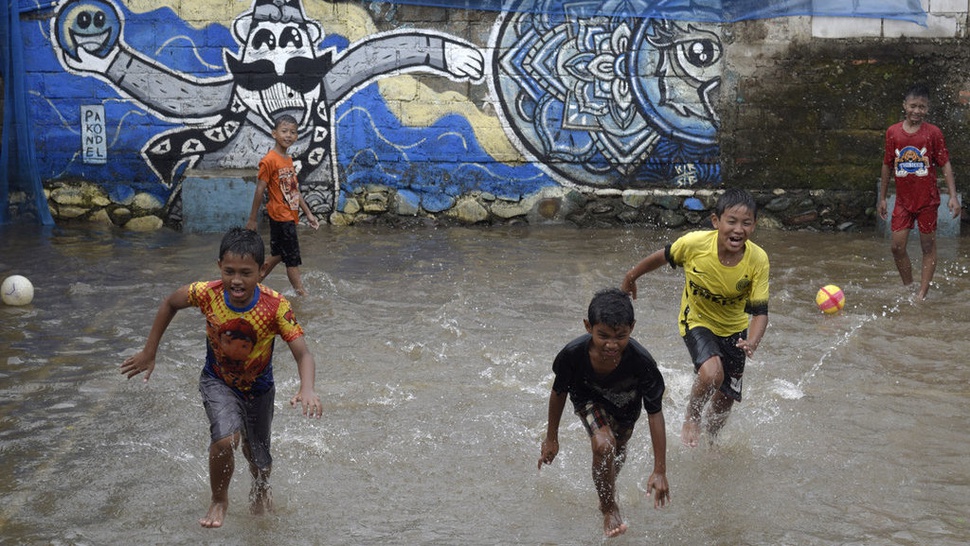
{"x":271,"y":262}
{"x":260,"y":494}
{"x":608,"y":458}
{"x":927,"y":242}
{"x":717,"y":414}
{"x":903,"y":264}
{"x":221,"y":466}
{"x":293,"y":273}
{"x":709,"y":377}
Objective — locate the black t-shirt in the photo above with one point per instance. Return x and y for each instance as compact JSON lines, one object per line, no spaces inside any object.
{"x":635,"y":378}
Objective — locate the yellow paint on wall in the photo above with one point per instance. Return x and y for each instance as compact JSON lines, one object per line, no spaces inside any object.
{"x":419,"y":105}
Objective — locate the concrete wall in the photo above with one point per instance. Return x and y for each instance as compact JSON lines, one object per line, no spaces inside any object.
{"x":478,"y":117}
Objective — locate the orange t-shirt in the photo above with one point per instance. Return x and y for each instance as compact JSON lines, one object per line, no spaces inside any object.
{"x":284,"y":189}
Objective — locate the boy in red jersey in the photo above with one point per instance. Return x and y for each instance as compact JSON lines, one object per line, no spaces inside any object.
{"x":243,"y":319}
{"x":914,"y":149}
{"x":277,"y":174}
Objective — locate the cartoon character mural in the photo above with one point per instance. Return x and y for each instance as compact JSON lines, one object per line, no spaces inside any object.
{"x":226,"y":120}
{"x":618,"y":101}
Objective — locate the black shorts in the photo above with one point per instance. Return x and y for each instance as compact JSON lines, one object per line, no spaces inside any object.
{"x":703,"y":344}
{"x":283,"y":242}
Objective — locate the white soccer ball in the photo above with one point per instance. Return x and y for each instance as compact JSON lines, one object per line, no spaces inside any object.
{"x":16,"y":290}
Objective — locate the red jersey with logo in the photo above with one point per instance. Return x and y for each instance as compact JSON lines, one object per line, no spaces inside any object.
{"x":239,"y":341}
{"x":913,"y":158}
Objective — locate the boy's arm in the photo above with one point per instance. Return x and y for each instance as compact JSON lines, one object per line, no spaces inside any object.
{"x":646,"y":265}
{"x":310,"y":218}
{"x":257,"y":201}
{"x":951,"y":185}
{"x":883,"y":188}
{"x":657,"y":483}
{"x":307,"y":368}
{"x":144,"y":360}
{"x":756,"y":331}
{"x":550,"y":446}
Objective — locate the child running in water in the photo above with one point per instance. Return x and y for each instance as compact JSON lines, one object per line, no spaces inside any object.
{"x":243,"y":319}
{"x":609,"y":377}
{"x":278,"y":175}
{"x":725,"y":281}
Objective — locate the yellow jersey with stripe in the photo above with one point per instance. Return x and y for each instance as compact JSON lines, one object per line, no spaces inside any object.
{"x":718,"y":297}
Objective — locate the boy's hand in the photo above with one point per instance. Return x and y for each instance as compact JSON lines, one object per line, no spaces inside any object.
{"x":748,"y":347}
{"x":629,"y":286}
{"x":550,"y":448}
{"x":882,"y":209}
{"x":657,"y":488}
{"x":954,"y":206}
{"x":312,"y":220}
{"x":310,"y":402}
{"x":137,"y":363}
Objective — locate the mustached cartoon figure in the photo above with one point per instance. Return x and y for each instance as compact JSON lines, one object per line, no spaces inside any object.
{"x":279,"y":70}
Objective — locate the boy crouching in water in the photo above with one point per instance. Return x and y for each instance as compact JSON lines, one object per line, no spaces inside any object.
{"x":608,"y":375}
{"x":243,"y":319}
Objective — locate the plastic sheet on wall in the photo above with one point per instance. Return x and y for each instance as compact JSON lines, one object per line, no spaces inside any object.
{"x":711,"y":11}
{"x":21,"y":193}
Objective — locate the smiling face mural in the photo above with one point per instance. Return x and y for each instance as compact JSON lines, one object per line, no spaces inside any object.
{"x":588,"y":101}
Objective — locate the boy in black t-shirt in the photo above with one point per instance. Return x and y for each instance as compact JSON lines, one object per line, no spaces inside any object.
{"x":608,"y":376}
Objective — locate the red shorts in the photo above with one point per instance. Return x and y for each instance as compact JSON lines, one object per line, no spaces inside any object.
{"x":925,"y":218}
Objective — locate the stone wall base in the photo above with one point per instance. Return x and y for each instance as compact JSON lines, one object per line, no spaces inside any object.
{"x":784,"y":209}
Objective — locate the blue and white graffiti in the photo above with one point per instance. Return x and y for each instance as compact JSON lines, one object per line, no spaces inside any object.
{"x":610,"y":101}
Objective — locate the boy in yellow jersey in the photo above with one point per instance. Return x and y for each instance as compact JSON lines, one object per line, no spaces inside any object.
{"x":726,"y":282}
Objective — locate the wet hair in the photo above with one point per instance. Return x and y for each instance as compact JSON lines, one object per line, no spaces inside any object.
{"x":285,"y":118}
{"x":733,"y":197}
{"x":243,"y":242}
{"x":917,"y":90}
{"x":612,"y":307}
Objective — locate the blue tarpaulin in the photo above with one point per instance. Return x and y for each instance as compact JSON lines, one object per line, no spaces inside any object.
{"x":21,"y":193}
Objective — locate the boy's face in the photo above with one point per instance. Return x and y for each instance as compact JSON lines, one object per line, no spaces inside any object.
{"x":915,"y":109}
{"x":285,"y":135}
{"x":240,"y":275}
{"x":608,"y":341}
{"x":734,"y":227}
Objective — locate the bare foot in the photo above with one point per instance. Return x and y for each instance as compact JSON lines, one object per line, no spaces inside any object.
{"x":613,"y":525}
{"x":261,"y":500}
{"x":691,"y":433}
{"x":216,"y":515}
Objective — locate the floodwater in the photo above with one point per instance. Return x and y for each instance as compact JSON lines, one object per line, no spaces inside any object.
{"x":434,"y":351}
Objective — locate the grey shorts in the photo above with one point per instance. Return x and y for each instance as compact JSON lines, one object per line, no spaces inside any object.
{"x":703,"y":344}
{"x":229,"y":412}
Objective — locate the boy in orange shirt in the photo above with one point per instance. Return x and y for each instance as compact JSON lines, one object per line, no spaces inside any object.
{"x":278,"y":175}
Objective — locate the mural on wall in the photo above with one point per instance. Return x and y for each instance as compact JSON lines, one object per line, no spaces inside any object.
{"x":279,"y":69}
{"x":610,"y":101}
{"x":582,"y":100}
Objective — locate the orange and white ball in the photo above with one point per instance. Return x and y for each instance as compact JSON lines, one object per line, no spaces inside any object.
{"x":830,"y":299}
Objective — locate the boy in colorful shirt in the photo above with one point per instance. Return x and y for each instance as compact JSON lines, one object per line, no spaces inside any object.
{"x":914,"y":148}
{"x":278,"y":176}
{"x":243,"y":319}
{"x":725,"y":281}
{"x":609,"y":378}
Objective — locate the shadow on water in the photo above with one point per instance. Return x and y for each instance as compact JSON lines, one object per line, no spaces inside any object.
{"x":434,"y":352}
